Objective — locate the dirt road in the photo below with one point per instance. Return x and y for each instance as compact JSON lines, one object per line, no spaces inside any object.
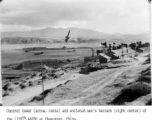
{"x":27,"y":94}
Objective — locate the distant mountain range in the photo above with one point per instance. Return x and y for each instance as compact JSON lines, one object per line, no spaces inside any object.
{"x":58,"y":35}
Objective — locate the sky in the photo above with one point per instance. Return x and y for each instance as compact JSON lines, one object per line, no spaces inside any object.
{"x":107,"y":16}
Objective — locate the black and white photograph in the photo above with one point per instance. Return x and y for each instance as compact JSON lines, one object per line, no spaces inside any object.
{"x":75,"y":52}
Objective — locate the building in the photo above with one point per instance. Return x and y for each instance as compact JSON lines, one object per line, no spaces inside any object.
{"x":91,"y":59}
{"x":112,"y":55}
{"x":140,"y":50}
{"x":103,"y":58}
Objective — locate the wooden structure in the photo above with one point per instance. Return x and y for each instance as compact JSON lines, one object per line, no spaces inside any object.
{"x":104,"y":58}
{"x":91,"y":59}
{"x":140,"y":50}
{"x":112,"y":55}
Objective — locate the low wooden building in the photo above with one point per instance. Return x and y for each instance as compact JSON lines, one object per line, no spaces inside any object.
{"x":112,"y":55}
{"x":91,"y":59}
{"x":140,"y":50}
{"x":103,"y":58}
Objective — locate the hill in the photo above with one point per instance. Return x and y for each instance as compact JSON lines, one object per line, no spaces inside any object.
{"x":55,"y":33}
{"x":76,"y":35}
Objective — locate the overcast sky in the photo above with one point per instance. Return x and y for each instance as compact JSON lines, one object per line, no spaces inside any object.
{"x":108,"y":16}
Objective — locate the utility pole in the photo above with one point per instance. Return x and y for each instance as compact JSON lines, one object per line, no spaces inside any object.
{"x":42,"y":84}
{"x":43,"y":90}
{"x":150,"y":19}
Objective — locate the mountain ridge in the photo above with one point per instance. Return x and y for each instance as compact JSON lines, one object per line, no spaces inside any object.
{"x":76,"y":34}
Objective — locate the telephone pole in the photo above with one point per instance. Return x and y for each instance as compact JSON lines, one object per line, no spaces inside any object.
{"x":150,"y":19}
{"x":43,"y":90}
{"x":42,"y":83}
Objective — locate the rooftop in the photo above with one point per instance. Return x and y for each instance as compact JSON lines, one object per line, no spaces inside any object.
{"x":105,"y":56}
